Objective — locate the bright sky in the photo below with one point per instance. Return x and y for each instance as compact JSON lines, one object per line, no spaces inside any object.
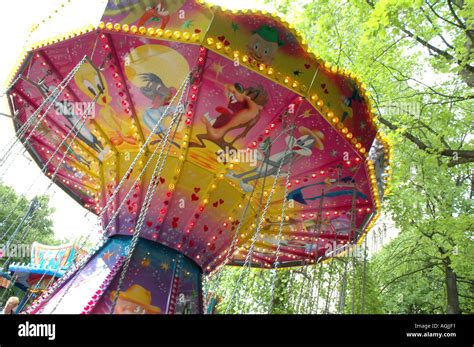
{"x":16,"y":20}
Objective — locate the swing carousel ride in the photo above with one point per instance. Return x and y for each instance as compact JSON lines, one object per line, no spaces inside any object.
{"x":200,"y":137}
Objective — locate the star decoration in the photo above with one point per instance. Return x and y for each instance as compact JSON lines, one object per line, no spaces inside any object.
{"x":187,"y":23}
{"x":165,"y":266}
{"x":217,"y":68}
{"x":297,"y":72}
{"x":107,"y":255}
{"x":333,"y":153}
{"x":362,"y":125}
{"x":306,"y":114}
{"x":234,"y":26}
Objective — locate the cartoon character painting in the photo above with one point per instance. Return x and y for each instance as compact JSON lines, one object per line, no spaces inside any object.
{"x":73,"y":121}
{"x":160,"y":13}
{"x":241,"y":112}
{"x":263,"y":45}
{"x":161,"y":97}
{"x":135,"y":300}
{"x":295,"y":149}
{"x":90,"y":81}
{"x":46,"y":132}
{"x":352,"y":100}
{"x":332,"y":190}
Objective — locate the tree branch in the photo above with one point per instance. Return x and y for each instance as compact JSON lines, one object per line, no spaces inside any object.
{"x":450,"y":5}
{"x":442,"y":18}
{"x":407,"y":274}
{"x":464,"y":156}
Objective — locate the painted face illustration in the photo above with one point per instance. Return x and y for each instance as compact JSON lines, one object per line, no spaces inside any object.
{"x":135,"y":300}
{"x":90,"y":81}
{"x":263,"y":44}
{"x":261,"y":50}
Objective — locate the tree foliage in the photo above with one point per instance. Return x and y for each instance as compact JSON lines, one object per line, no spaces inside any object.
{"x":416,"y":58}
{"x":19,"y":228}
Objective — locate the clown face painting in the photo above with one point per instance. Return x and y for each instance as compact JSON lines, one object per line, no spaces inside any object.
{"x":135,"y":300}
{"x":263,"y":45}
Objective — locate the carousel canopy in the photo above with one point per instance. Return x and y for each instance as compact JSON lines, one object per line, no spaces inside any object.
{"x":264,"y":150}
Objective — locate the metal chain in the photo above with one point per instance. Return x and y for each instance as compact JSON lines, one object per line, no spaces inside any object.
{"x":80,"y":265}
{"x":231,"y":248}
{"x":257,"y":231}
{"x":10,"y":86}
{"x":61,"y":162}
{"x":102,"y":241}
{"x":280,"y":234}
{"x":51,"y":99}
{"x":147,"y":200}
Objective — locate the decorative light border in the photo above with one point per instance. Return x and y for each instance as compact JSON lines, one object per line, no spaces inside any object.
{"x":288,"y":82}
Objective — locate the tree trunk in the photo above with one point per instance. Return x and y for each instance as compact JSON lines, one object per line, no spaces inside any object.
{"x":452,"y":290}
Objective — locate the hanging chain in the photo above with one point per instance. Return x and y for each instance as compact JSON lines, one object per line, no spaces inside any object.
{"x":280,"y":233}
{"x":148,"y":197}
{"x":51,"y":99}
{"x":362,"y":309}
{"x":10,"y":86}
{"x":76,"y":267}
{"x":257,"y":231}
{"x":231,"y":248}
{"x":76,"y":131}
{"x":61,"y":162}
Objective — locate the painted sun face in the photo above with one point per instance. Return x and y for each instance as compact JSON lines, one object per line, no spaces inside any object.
{"x":260,"y":50}
{"x":90,"y":82}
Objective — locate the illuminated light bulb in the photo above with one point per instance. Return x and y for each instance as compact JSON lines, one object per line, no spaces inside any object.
{"x":133,"y":29}
{"x":195,"y":37}
{"x":125,"y":28}
{"x":320,"y":103}
{"x":186,"y":35}
{"x":142,"y":30}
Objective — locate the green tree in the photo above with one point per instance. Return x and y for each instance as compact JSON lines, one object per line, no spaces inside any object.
{"x":19,"y":228}
{"x":416,"y":58}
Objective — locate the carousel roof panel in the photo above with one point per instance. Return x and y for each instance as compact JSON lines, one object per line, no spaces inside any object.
{"x":251,"y":89}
